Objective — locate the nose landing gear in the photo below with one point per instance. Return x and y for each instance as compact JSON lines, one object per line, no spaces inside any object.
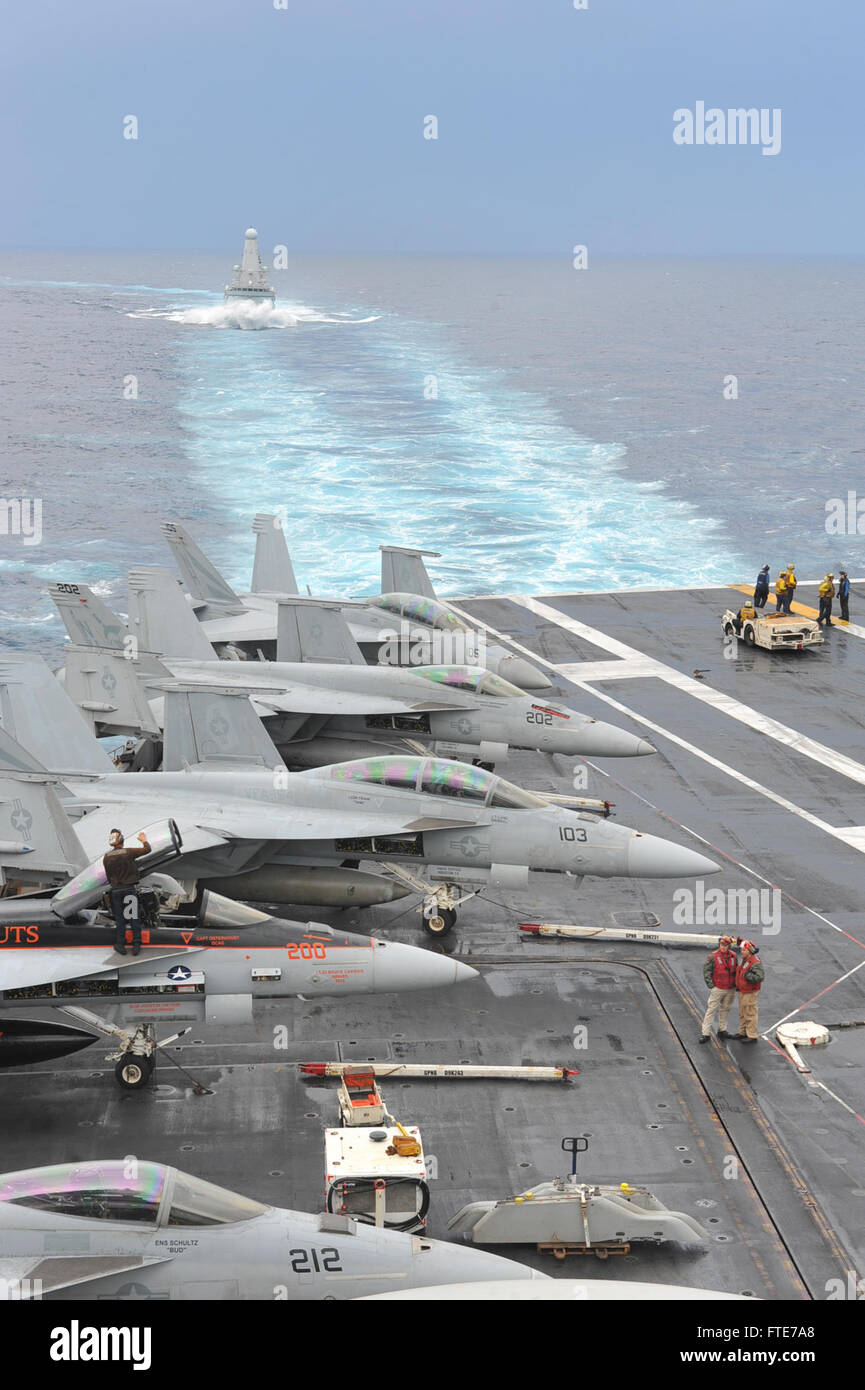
{"x":440,"y":901}
{"x":135,"y":1059}
{"x":440,"y":920}
{"x":132,"y":1072}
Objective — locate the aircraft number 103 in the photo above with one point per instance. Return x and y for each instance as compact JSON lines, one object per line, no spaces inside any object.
{"x":570,"y":832}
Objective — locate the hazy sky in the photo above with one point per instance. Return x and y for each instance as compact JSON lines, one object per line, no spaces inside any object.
{"x":555,"y":125}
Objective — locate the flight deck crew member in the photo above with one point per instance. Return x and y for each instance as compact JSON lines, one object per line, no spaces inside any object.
{"x":761,"y":588}
{"x":827,"y":593}
{"x":749,"y":977}
{"x":122,"y":874}
{"x":780,"y":591}
{"x":719,"y":972}
{"x":844,"y":595}
{"x":790,"y":591}
{"x":745,"y":612}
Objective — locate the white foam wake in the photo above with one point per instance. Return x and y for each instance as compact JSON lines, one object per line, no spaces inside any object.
{"x":237,"y":314}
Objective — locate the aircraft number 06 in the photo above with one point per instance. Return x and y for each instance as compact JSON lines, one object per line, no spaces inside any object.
{"x":570,"y":832}
{"x":314,"y":1261}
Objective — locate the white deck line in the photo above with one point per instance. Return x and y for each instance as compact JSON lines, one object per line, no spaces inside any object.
{"x":637,"y":589}
{"x":853,"y":628}
{"x":650,"y":724}
{"x":762,"y":723}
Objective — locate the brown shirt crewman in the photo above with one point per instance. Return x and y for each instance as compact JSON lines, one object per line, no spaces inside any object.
{"x":120,"y":867}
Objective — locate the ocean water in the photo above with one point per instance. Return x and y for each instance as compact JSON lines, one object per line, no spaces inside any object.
{"x":544,"y":429}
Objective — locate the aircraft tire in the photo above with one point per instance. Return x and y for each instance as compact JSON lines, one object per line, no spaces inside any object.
{"x":441,"y":923}
{"x":132,"y":1073}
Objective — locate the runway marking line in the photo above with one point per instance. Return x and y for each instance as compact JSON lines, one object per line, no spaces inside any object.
{"x":650,"y":666}
{"x":629,"y":654}
{"x":700,"y":690}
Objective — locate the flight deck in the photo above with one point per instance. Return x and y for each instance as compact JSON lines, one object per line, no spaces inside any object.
{"x":760,"y":766}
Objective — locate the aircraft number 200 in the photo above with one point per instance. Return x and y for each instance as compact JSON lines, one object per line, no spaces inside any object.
{"x":306,"y":950}
{"x":315,"y":1261}
{"x":570,"y":832}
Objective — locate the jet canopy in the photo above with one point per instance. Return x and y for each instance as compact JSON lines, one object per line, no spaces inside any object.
{"x":473,"y":678}
{"x":435,"y":776}
{"x":422,"y":609}
{"x":128,"y":1191}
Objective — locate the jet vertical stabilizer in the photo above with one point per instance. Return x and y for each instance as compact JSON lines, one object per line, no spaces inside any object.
{"x":161,"y":619}
{"x":214,"y":727}
{"x":404,"y":572}
{"x":106,"y":689}
{"x":308,"y":631}
{"x":37,"y":842}
{"x":272,"y":570}
{"x":36,"y":711}
{"x":88,"y":620}
{"x":200,"y":576}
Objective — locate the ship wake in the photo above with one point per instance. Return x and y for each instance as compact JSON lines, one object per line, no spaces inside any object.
{"x":237,"y":314}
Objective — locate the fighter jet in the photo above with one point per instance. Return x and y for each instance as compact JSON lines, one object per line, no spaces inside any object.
{"x":209,"y":962}
{"x":317,"y":712}
{"x":406,"y":619}
{"x":240,"y":810}
{"x":131,"y":1229}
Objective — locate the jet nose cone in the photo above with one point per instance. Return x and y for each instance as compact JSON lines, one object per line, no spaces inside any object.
{"x":522,"y":673}
{"x":599,"y":740}
{"x":399,"y":967}
{"x":464,"y":972}
{"x":651,"y":857}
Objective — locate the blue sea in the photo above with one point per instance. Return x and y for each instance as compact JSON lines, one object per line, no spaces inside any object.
{"x":544,"y":429}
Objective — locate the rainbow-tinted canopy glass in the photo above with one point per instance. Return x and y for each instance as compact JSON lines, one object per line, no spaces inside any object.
{"x":128,"y":1190}
{"x":434,"y":776}
{"x":421,"y":609}
{"x":469,"y":678}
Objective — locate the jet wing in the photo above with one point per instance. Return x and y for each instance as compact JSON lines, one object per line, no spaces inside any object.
{"x":259,"y":625}
{"x":23,"y":967}
{"x":211,"y":824}
{"x":63,"y":1271}
{"x":250,"y":626}
{"x":94,"y":828}
{"x":302,"y":699}
{"x":318,"y":823}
